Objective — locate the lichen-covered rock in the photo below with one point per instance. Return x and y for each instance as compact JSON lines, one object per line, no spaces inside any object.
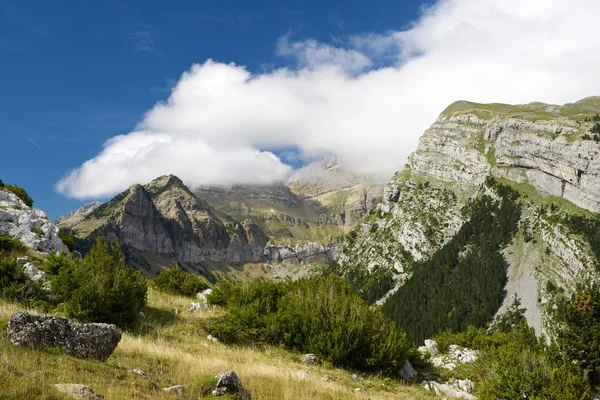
{"x":78,"y":391}
{"x":230,"y":383}
{"x":30,"y":225}
{"x":177,"y":389}
{"x":33,"y":273}
{"x":89,"y":341}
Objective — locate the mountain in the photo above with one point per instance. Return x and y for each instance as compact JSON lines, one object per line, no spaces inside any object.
{"x":164,"y":223}
{"x":321,"y":203}
{"x":498,"y":202}
{"x":72,"y":218}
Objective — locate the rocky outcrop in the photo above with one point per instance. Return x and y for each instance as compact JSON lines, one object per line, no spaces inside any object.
{"x":545,"y":152}
{"x":89,"y":341}
{"x":31,"y":226}
{"x":230,"y":383}
{"x":78,"y":391}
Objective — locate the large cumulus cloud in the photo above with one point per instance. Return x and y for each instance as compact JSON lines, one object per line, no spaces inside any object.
{"x":367,"y":101}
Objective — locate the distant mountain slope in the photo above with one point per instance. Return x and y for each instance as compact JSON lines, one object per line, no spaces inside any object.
{"x":549,"y":155}
{"x":164,"y":222}
{"x":72,"y":218}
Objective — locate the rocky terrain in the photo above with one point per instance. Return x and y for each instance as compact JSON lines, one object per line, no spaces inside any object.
{"x":543,"y":151}
{"x":31,"y":226}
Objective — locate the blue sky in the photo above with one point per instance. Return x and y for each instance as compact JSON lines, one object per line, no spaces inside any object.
{"x":94,"y":98}
{"x":73,"y":74}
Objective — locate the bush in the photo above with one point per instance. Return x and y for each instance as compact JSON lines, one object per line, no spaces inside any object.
{"x":526,"y":368}
{"x":67,"y":238}
{"x":179,"y":282}
{"x":20,"y":193}
{"x":8,"y":243}
{"x":580,"y":334}
{"x":324,"y":315}
{"x":16,"y":286}
{"x":99,"y":288}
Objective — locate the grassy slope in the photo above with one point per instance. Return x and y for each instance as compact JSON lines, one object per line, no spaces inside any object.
{"x":173,"y":349}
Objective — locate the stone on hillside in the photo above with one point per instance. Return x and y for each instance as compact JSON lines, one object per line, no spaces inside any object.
{"x":202,"y":296}
{"x":212,"y":338}
{"x":230,"y":383}
{"x":430,"y":347}
{"x":78,"y":391}
{"x":88,"y":341}
{"x":407,"y":372}
{"x":22,"y":260}
{"x":196,"y":306}
{"x":463,"y":355}
{"x":310,"y":359}
{"x":445,"y":389}
{"x":177,"y":389}
{"x":33,"y":273}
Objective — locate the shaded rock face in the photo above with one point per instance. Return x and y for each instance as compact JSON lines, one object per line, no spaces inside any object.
{"x":78,"y":391}
{"x":88,"y":341}
{"x":31,"y":226}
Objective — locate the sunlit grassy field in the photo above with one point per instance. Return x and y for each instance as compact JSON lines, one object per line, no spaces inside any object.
{"x":172,"y":349}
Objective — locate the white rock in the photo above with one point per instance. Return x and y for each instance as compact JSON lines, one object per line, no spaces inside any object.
{"x":33,"y":273}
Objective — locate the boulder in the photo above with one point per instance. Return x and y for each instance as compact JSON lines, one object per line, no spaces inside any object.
{"x":78,"y":391}
{"x":407,"y":372}
{"x":88,"y":341}
{"x":310,"y":359}
{"x":230,"y":383}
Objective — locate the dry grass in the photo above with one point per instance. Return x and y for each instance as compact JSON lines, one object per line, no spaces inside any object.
{"x":173,"y":349}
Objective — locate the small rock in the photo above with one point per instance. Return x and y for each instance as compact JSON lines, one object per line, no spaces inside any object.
{"x":22,"y":260}
{"x":137,"y":393}
{"x":78,"y":391}
{"x":310,"y":359}
{"x":212,"y":338}
{"x":177,"y":389}
{"x":195,"y":307}
{"x":355,"y":377}
{"x":230,"y":383}
{"x":176,"y":311}
{"x":358,"y":389}
{"x":33,"y":273}
{"x":139,"y":372}
{"x":142,"y":314}
{"x":328,"y":378}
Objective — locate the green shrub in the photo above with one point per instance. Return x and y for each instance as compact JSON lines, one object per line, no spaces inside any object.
{"x":580,"y":334}
{"x":20,"y":193}
{"x":527,"y":368}
{"x":99,"y":288}
{"x":8,"y":243}
{"x":179,"y":282}
{"x":67,"y":238}
{"x":38,"y":231}
{"x":16,"y":286}
{"x":323,"y":315}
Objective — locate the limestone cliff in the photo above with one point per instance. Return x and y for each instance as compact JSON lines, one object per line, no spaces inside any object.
{"x":546,"y":152}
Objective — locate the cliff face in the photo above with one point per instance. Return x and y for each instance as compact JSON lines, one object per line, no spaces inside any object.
{"x":547,"y":153}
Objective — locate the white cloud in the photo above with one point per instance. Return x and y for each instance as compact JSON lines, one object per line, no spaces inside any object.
{"x":338,"y":100}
